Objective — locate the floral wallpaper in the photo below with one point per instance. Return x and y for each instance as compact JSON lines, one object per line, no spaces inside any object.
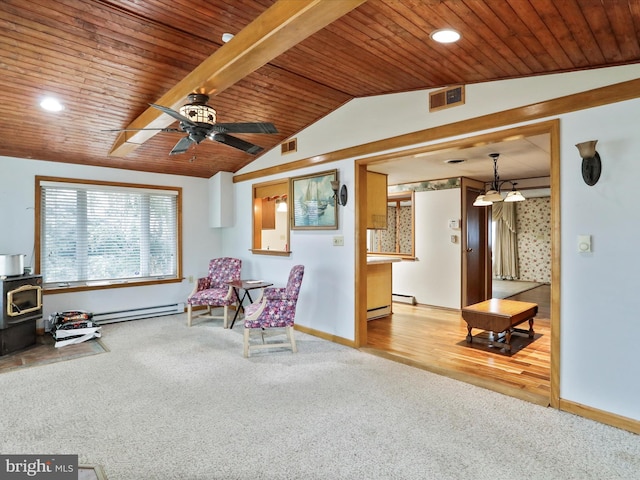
{"x":406,"y":229}
{"x":534,"y":239}
{"x":386,"y":239}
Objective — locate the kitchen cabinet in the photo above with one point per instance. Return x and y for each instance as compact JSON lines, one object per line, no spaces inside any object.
{"x":376,"y":201}
{"x":268,"y":214}
{"x":379,"y":286}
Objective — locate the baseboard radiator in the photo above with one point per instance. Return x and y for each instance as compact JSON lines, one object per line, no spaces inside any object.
{"x":410,"y":299}
{"x":138,"y":313}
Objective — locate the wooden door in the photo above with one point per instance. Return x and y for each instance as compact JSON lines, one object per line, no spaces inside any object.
{"x":476,"y":260}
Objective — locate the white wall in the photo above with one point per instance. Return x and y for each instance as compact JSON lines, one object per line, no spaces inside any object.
{"x":276,"y":239}
{"x":600,"y":325}
{"x":326,"y":296}
{"x":200,"y":243}
{"x":435,"y":277}
{"x":600,"y":364}
{"x":369,"y":119}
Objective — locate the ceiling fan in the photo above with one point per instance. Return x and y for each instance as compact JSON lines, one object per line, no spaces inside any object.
{"x":198,"y":121}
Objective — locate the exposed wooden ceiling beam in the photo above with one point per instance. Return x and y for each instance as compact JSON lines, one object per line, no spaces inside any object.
{"x":280,"y":27}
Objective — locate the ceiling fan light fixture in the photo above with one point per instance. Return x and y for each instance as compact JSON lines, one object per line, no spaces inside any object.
{"x":198,"y":111}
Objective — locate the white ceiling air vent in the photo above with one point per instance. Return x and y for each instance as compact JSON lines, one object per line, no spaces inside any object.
{"x":445,"y":98}
{"x":289,"y":146}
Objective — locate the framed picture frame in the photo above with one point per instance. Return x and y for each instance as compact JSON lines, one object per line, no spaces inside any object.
{"x":313,"y":203}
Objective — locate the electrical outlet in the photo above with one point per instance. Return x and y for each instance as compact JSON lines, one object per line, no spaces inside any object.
{"x":190,"y":278}
{"x":338,"y":241}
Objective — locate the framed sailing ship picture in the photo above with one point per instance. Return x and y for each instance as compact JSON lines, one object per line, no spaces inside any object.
{"x":313,"y":205}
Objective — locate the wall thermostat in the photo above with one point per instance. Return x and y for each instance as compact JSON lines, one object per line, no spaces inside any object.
{"x":584,"y":243}
{"x":454,"y":223}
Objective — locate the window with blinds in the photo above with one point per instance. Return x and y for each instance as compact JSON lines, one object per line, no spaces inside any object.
{"x":95,"y":234}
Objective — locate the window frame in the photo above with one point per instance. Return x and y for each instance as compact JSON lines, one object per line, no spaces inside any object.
{"x":75,"y":287}
{"x":262,"y":191}
{"x":398,"y":198}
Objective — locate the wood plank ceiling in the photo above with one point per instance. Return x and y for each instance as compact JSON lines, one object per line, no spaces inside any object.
{"x":108,"y":59}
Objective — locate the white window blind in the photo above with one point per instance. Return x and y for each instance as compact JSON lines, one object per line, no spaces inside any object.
{"x":102,"y":234}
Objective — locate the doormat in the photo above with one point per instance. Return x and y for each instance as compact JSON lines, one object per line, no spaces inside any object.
{"x":44,"y":352}
{"x":91,"y":472}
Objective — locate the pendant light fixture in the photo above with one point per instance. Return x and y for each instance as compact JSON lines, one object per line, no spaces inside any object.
{"x":493,"y":194}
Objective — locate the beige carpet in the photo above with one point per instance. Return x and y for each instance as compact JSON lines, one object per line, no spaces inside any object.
{"x":169,"y":402}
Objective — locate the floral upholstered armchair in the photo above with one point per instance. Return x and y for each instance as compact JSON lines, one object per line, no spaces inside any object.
{"x":213,"y":290}
{"x":275,"y":309}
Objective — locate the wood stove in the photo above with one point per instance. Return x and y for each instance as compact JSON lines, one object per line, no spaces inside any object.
{"x":20,"y":308}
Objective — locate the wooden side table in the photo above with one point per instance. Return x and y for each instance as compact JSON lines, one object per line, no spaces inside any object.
{"x":245,"y":286}
{"x":498,"y":315}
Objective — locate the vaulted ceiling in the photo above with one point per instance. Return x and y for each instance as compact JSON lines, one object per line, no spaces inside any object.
{"x":107,"y":60}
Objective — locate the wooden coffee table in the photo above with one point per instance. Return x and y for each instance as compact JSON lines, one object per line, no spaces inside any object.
{"x":500,"y":317}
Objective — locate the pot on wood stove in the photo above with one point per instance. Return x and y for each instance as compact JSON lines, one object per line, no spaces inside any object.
{"x":11,"y":265}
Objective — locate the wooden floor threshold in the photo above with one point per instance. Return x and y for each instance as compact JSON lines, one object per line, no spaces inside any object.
{"x":483,"y":382}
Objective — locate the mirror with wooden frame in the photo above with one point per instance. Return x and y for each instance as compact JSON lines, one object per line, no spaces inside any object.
{"x":271,"y":218}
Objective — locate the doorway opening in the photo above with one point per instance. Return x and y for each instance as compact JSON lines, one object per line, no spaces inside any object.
{"x":449,"y":328}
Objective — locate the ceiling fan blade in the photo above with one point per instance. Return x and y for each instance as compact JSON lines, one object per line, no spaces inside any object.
{"x":249,"y":127}
{"x":236,"y":143}
{"x":174,"y":114}
{"x":171,"y":130}
{"x":182,"y":146}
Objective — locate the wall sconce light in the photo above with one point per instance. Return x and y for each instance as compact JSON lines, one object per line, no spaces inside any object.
{"x":591,"y":164}
{"x":342,"y":198}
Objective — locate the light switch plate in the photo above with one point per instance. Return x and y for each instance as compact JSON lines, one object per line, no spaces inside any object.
{"x":338,"y":241}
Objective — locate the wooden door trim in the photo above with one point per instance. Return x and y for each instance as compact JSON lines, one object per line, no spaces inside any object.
{"x":361,"y":255}
{"x":554,"y":149}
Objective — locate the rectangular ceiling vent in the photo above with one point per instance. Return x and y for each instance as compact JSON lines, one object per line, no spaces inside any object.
{"x":289,"y":146}
{"x":445,"y":98}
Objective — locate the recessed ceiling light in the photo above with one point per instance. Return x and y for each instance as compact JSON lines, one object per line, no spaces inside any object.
{"x":227,"y":36}
{"x":445,"y":35}
{"x":51,"y":104}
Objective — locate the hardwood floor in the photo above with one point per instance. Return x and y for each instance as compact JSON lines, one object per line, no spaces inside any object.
{"x":435,"y":339}
{"x":44,"y":352}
